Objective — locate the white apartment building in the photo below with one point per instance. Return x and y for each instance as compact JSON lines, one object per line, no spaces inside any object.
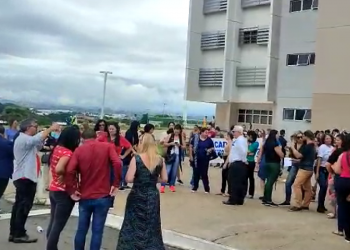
{"x":254,"y":59}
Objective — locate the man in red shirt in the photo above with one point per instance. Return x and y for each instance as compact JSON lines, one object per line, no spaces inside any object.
{"x":91,"y":164}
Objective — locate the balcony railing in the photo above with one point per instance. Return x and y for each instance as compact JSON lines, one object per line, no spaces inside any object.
{"x":254,"y":76}
{"x":210,"y":77}
{"x":212,"y":6}
{"x":213,"y":40}
{"x":252,"y":3}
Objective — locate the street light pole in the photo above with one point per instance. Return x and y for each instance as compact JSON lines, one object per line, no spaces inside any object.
{"x":106,"y":73}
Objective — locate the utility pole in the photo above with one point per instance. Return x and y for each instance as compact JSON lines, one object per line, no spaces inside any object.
{"x":106,"y":73}
{"x":164,"y":104}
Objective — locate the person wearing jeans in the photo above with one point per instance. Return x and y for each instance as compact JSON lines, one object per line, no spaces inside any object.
{"x":94,"y":190}
{"x":321,"y":176}
{"x":98,"y":210}
{"x":175,"y":143}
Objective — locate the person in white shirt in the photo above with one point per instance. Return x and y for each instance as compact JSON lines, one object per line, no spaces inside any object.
{"x":237,"y":173}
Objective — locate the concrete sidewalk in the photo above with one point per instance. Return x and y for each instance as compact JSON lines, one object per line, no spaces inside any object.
{"x":248,"y":227}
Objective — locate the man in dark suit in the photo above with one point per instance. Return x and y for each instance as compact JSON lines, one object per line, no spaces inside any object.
{"x":6,"y":161}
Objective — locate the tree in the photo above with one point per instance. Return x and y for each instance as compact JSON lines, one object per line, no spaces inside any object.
{"x":144,"y":119}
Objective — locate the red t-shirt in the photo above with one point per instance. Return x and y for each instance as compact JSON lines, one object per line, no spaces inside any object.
{"x":123,"y":143}
{"x":211,"y":134}
{"x":58,"y":152}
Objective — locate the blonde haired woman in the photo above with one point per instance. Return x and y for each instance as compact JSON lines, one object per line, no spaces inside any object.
{"x":141,"y":227}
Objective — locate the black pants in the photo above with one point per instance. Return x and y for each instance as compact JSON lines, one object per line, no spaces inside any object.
{"x":25,"y":193}
{"x":61,"y":208}
{"x":3,"y":185}
{"x":342,"y":189}
{"x":250,"y":175}
{"x":224,"y":176}
{"x":201,"y":172}
{"x":237,"y":176}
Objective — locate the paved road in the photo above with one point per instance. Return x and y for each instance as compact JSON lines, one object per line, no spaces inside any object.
{"x":248,"y":227}
{"x":67,"y":237}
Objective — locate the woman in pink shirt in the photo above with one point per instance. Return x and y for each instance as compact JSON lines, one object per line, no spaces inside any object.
{"x":342,"y":187}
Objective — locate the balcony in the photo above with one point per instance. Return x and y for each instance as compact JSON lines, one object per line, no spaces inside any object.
{"x":213,"y":40}
{"x":213,"y":6}
{"x":254,"y":3}
{"x":210,"y":77}
{"x":250,"y":77}
{"x":254,"y":35}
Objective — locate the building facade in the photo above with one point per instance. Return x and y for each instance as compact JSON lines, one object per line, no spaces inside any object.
{"x":256,"y":60}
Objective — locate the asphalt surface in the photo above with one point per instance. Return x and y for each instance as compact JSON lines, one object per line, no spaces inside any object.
{"x":110,"y":237}
{"x":6,"y":207}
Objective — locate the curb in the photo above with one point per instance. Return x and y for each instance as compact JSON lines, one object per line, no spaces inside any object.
{"x":170,"y":238}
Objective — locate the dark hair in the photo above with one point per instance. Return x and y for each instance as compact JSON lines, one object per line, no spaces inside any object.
{"x":203,"y":130}
{"x":132,"y":133}
{"x":324,"y":138}
{"x":148,"y":127}
{"x":170,"y":131}
{"x":327,"y":131}
{"x":178,"y":127}
{"x":342,"y":138}
{"x":232,"y":127}
{"x":88,"y":134}
{"x":282,"y":132}
{"x":217,"y":128}
{"x":346,"y":142}
{"x":69,"y":138}
{"x":2,"y":129}
{"x":272,"y":136}
{"x":253,"y":135}
{"x":117,"y":133}
{"x":171,"y":123}
{"x":335,"y":131}
{"x":309,"y":134}
{"x":97,"y":125}
{"x":230,"y":134}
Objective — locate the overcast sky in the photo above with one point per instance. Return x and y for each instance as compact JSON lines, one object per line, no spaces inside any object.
{"x":53,"y":51}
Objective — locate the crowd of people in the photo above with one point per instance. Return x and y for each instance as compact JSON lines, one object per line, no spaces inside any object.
{"x":89,"y":166}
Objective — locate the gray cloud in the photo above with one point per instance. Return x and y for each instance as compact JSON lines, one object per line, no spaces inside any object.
{"x":52,"y":51}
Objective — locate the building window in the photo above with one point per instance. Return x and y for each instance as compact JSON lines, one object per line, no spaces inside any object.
{"x":210,"y":77}
{"x":213,"y":40}
{"x":300,"y":5}
{"x":255,"y":116}
{"x":301,"y":59}
{"x":254,"y":35}
{"x":296,"y":114}
{"x":253,"y":3}
{"x":212,"y":6}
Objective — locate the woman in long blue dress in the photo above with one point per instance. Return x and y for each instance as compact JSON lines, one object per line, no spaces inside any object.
{"x":141,"y":229}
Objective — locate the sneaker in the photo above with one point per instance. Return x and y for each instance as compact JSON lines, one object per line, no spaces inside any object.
{"x":295,"y":209}
{"x":180,"y":182}
{"x":127,"y":187}
{"x":321,"y":210}
{"x":261,"y":198}
{"x":251,"y":196}
{"x":162,"y":189}
{"x":305,"y":208}
{"x":10,"y":239}
{"x":270,"y":204}
{"x":172,"y":188}
{"x":285,"y":203}
{"x":121,"y":188}
{"x":24,"y":239}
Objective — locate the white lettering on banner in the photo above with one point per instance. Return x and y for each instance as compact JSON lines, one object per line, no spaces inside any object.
{"x":219,"y":146}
